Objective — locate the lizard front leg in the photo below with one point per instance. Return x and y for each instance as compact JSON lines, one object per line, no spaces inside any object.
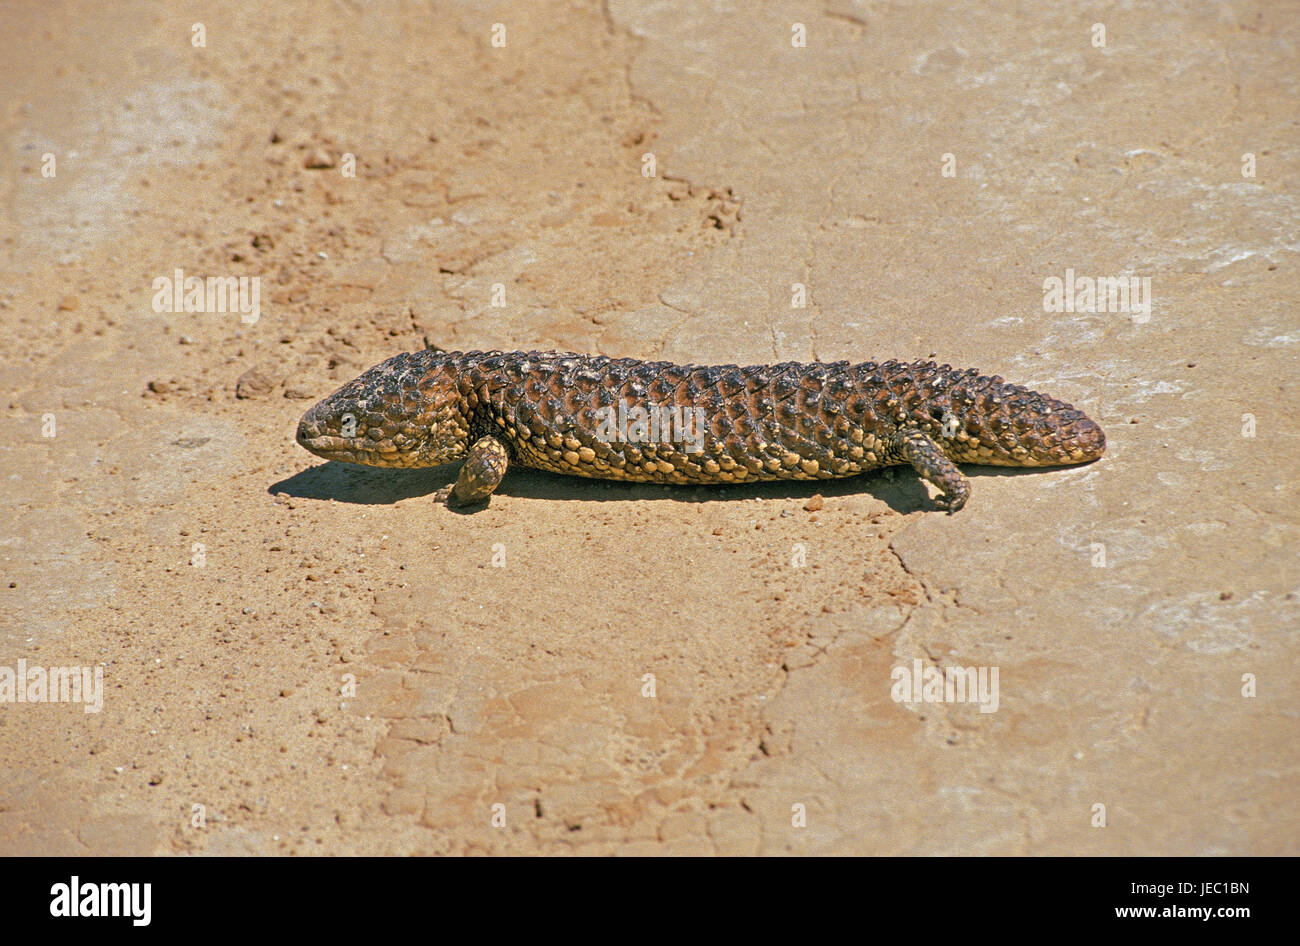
{"x":484,"y":467}
{"x":933,"y":464}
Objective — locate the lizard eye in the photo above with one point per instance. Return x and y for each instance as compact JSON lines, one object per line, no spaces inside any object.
{"x":950,"y":425}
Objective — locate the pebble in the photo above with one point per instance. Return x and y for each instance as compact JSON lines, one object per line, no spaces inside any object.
{"x":253,"y":383}
{"x":298,"y":391}
{"x":318,"y":159}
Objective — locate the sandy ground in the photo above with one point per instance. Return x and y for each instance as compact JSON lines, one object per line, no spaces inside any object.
{"x":301,"y":657}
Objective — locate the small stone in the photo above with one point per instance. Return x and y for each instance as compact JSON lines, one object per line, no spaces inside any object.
{"x":253,"y":383}
{"x":69,"y":304}
{"x":815,"y":502}
{"x":318,"y":159}
{"x":298,"y":391}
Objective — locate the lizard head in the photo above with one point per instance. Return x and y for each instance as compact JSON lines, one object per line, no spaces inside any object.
{"x":406,"y":412}
{"x":983,"y":419}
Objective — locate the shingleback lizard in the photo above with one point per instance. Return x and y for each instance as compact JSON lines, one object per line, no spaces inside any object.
{"x":658,"y":422}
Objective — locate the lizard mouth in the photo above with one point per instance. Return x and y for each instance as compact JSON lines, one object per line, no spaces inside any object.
{"x":314,"y":437}
{"x":318,"y":436}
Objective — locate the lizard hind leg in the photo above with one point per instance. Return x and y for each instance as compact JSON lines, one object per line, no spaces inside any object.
{"x":933,"y":464}
{"x":484,"y":467}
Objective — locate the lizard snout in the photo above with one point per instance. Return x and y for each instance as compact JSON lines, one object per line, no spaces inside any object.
{"x":308,"y":427}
